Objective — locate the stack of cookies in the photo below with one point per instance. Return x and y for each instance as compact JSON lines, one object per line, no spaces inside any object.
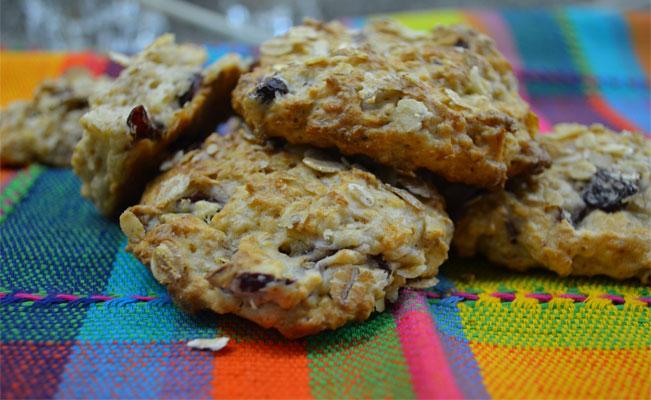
{"x":327,"y":193}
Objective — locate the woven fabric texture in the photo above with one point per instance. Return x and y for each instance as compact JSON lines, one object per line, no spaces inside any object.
{"x":80,"y":317}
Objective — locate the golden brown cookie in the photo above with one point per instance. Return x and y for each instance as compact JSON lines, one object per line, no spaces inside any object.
{"x":163,"y":95}
{"x":589,"y":214}
{"x":46,"y":128}
{"x":289,"y":237}
{"x":445,"y":100}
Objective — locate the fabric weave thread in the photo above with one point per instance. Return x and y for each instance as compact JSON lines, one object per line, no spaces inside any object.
{"x":81,"y":317}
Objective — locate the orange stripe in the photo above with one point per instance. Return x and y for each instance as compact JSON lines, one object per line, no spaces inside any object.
{"x":272,"y":368}
{"x":530,"y":373}
{"x":6,"y":175}
{"x":21,"y":72}
{"x":640,"y":28}
{"x":476,"y":22}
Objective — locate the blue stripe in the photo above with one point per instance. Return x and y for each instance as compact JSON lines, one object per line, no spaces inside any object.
{"x":56,"y":241}
{"x":457,"y":350}
{"x":542,"y":48}
{"x":605,"y":42}
{"x":120,"y":335}
{"x":140,"y":322}
{"x":136,"y":371}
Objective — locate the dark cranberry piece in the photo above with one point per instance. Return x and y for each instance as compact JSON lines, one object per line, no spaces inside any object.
{"x":607,"y":191}
{"x":253,"y":281}
{"x":461,"y":42}
{"x":579,"y":215}
{"x":195,"y":84}
{"x":266,"y":90}
{"x":141,"y":126}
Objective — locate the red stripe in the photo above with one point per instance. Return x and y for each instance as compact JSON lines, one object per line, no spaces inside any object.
{"x":6,"y":175}
{"x":94,"y":63}
{"x":610,"y":114}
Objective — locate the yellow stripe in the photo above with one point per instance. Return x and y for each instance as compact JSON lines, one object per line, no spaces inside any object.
{"x":426,"y":20}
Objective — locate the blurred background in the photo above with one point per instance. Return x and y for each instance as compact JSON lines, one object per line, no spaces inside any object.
{"x":128,"y":25}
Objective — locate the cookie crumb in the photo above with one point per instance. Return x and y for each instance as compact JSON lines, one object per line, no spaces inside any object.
{"x":213,"y":344}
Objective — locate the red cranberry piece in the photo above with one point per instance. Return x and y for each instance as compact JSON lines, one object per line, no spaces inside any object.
{"x":141,"y":126}
{"x":252,"y":282}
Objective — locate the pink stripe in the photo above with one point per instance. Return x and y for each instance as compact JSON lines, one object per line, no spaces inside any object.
{"x":504,"y":296}
{"x":541,"y":297}
{"x":28,"y":296}
{"x":143,"y":298}
{"x":67,"y":297}
{"x":575,"y":297}
{"x":429,"y":368}
{"x":615,"y":299}
{"x":100,"y":297}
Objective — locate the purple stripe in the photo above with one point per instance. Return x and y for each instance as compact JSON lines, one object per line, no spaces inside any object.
{"x":136,"y":370}
{"x":559,"y":109}
{"x":32,"y":370}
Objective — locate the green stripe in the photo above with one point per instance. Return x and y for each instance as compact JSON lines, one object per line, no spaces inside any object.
{"x":574,"y":50}
{"x":547,"y":326}
{"x":359,"y":361}
{"x":17,"y":188}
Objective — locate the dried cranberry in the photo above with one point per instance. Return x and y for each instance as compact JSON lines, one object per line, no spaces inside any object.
{"x":251,"y":282}
{"x":141,"y":126}
{"x":195,"y":84}
{"x":266,"y":91}
{"x":461,"y":42}
{"x":607,"y":191}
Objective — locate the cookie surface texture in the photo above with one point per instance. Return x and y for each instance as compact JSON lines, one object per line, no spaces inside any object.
{"x":164,"y":95}
{"x":444,"y":100}
{"x":286,"y":236}
{"x":46,"y":128}
{"x":589,"y":214}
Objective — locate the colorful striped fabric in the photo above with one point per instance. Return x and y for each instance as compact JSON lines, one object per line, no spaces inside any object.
{"x":80,"y":317}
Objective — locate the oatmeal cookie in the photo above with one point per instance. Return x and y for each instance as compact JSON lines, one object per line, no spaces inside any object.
{"x":286,"y":236}
{"x":161,"y":97}
{"x":589,"y":214}
{"x":445,"y":100}
{"x":46,"y":128}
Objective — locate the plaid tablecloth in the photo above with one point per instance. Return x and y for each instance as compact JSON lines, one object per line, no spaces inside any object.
{"x":80,"y":317}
